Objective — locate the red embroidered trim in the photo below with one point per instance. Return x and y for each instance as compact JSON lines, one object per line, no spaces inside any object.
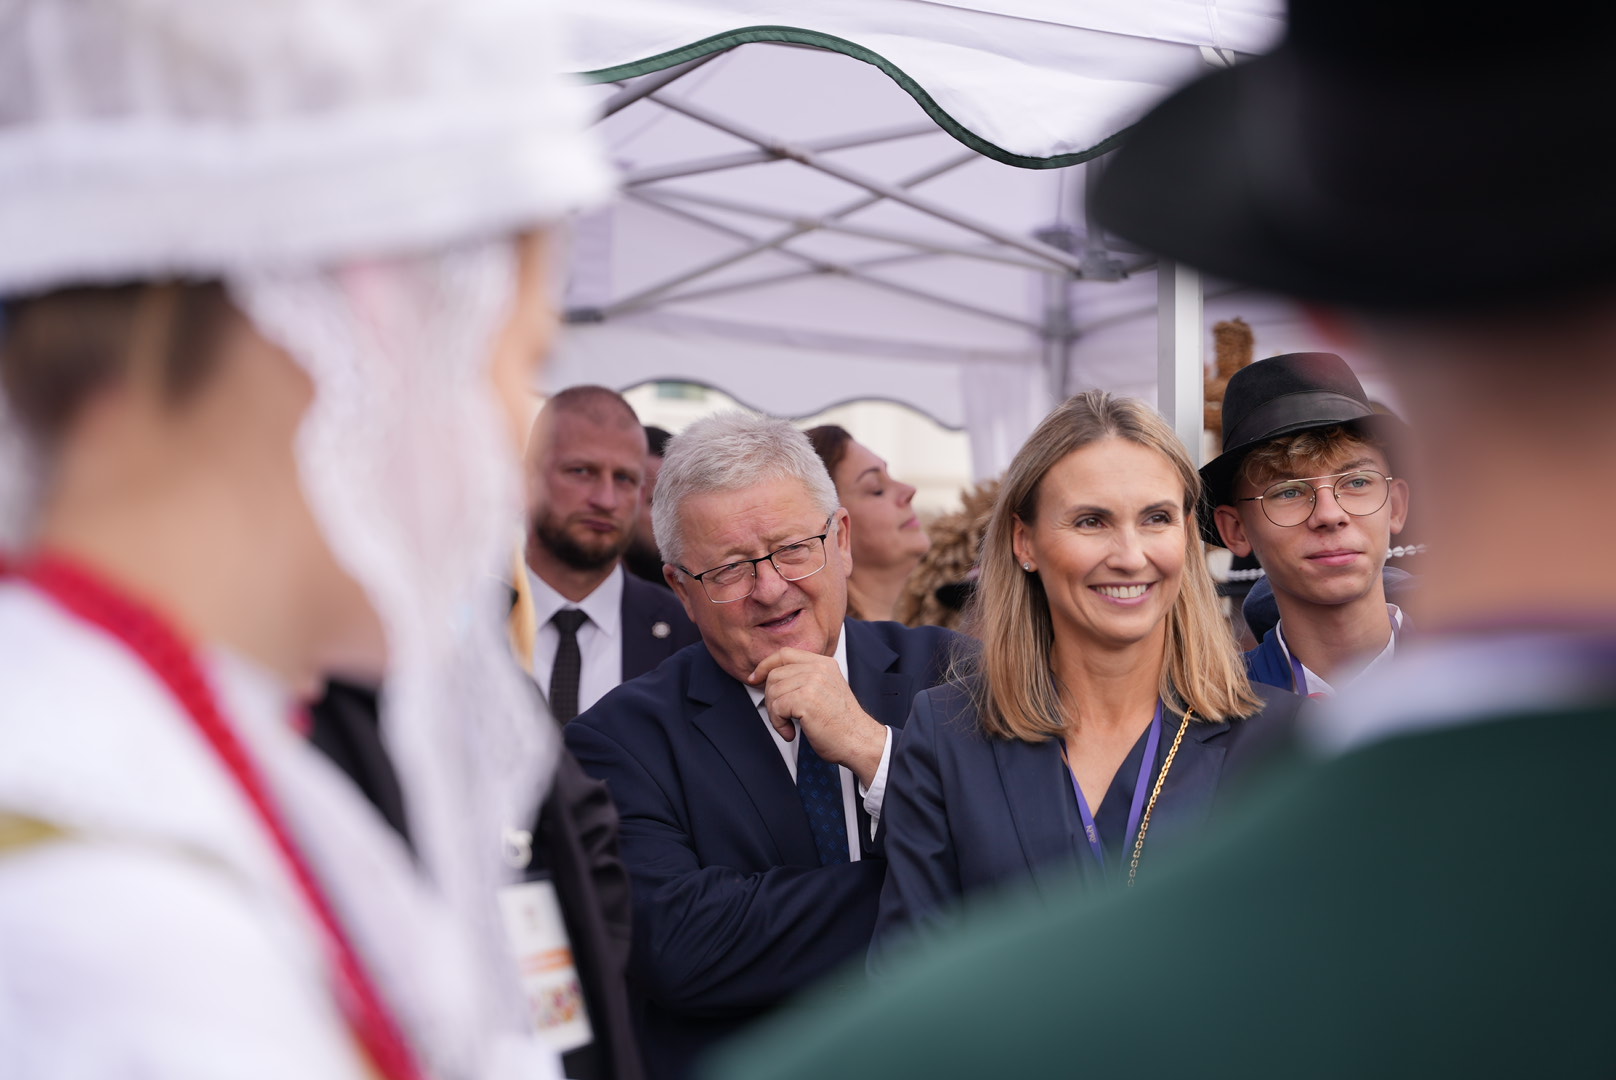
{"x":84,"y":594}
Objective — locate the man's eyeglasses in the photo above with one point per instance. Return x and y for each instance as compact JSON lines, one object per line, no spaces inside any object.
{"x":793,"y":562}
{"x":1290,"y":502}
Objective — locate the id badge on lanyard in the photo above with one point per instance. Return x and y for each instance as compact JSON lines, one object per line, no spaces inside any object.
{"x":537,"y":933}
{"x":538,"y":937}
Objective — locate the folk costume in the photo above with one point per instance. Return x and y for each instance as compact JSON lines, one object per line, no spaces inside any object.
{"x":186,"y":887}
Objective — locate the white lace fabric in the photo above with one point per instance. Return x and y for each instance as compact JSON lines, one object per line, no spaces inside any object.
{"x":405,"y":468}
{"x":297,"y":133}
{"x":353,"y":170}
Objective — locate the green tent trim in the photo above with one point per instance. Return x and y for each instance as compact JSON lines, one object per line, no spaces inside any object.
{"x":796,"y":36}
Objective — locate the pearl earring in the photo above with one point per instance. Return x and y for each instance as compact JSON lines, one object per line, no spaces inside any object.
{"x":1027,"y":566}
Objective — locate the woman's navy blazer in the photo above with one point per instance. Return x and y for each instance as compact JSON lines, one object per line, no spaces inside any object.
{"x":966,"y":812}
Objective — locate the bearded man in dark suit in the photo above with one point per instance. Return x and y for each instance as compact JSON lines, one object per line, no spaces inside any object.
{"x":595,"y":625}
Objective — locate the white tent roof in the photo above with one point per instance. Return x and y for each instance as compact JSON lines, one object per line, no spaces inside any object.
{"x":1022,"y":80}
{"x":802,"y":226}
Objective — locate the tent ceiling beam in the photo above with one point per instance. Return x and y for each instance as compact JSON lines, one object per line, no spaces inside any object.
{"x":847,"y":270}
{"x":649,"y":84}
{"x":785,"y":277}
{"x":948,"y":302}
{"x":918,"y":243}
{"x":756,"y":246}
{"x":826,"y":341}
{"x":717,"y":163}
{"x":1122,"y":318}
{"x":875,"y":186}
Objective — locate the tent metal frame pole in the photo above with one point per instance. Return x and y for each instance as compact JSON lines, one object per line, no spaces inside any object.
{"x":949,"y":302}
{"x":763,"y":281}
{"x":645,"y":296}
{"x":718,"y":163}
{"x":872,"y":185}
{"x":1180,"y":364}
{"x":647,"y":85}
{"x":919,"y":243}
{"x":1057,"y":337}
{"x":1141,"y":312}
{"x":815,"y":268}
{"x":828,"y":266}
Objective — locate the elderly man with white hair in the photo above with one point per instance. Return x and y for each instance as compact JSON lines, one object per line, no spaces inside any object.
{"x":750,"y":768}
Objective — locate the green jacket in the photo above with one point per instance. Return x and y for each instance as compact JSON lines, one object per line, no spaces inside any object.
{"x":1438,"y":904}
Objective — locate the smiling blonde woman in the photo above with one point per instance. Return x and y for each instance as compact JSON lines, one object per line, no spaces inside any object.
{"x":1108,"y":706}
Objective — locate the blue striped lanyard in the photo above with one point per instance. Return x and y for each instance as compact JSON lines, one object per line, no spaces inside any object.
{"x":1141,"y":787}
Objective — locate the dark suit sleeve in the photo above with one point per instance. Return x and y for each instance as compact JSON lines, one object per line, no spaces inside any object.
{"x":344,"y":726}
{"x":578,"y":811}
{"x":713,"y":941}
{"x":922,"y":869}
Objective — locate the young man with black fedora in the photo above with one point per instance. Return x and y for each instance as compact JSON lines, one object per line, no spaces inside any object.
{"x":1431,"y":895}
{"x":1305,"y":482}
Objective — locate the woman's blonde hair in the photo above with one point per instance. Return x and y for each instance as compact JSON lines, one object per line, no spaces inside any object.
{"x":1015,"y":692}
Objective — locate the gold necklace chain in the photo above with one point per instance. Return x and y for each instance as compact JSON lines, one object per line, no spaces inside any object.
{"x":1144,"y":825}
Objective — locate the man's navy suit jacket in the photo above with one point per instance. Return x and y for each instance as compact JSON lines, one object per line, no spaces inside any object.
{"x":1268,"y":664}
{"x":732,"y":911}
{"x":643,"y":607}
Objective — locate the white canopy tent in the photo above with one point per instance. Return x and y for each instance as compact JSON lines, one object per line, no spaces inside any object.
{"x":884,"y":199}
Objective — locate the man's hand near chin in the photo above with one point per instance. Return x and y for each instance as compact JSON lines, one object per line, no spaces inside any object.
{"x":805,"y":689}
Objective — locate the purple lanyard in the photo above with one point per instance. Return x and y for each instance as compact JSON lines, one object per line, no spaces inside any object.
{"x":1299,"y":677}
{"x":1147,"y":769}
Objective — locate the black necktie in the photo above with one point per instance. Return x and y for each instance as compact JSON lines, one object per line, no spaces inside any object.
{"x":568,"y":663}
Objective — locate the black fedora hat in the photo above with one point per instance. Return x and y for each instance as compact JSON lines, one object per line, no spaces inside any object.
{"x":1387,"y":156}
{"x":1282,"y":396}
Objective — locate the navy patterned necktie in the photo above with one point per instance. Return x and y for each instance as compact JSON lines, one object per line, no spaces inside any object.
{"x":569,"y":664}
{"x":819,"y":785}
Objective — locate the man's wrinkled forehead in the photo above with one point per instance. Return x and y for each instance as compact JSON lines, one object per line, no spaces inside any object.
{"x":743,"y":523}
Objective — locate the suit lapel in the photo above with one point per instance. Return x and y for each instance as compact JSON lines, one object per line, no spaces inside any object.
{"x":724,"y":713}
{"x":882,"y":692}
{"x":641,"y":651}
{"x":1266,"y":663}
{"x":1038,"y":789}
{"x":1192,"y":784}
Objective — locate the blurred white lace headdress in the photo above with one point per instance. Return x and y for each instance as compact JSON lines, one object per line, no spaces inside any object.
{"x":353,"y":171}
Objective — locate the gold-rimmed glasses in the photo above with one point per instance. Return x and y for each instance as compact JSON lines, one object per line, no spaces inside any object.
{"x":1359,"y":492}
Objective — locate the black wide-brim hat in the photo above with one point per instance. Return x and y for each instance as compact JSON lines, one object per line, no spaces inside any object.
{"x":1280,"y":396}
{"x":1387,"y":156}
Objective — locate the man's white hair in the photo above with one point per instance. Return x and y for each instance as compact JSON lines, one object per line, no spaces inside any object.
{"x":729,"y":451}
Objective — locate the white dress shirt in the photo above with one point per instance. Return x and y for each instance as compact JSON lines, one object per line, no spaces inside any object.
{"x":1316,"y":683}
{"x":851,"y":788}
{"x":600,"y":639}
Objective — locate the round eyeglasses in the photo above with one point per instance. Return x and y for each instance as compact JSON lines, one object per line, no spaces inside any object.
{"x":793,"y":562}
{"x":1360,"y":493}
